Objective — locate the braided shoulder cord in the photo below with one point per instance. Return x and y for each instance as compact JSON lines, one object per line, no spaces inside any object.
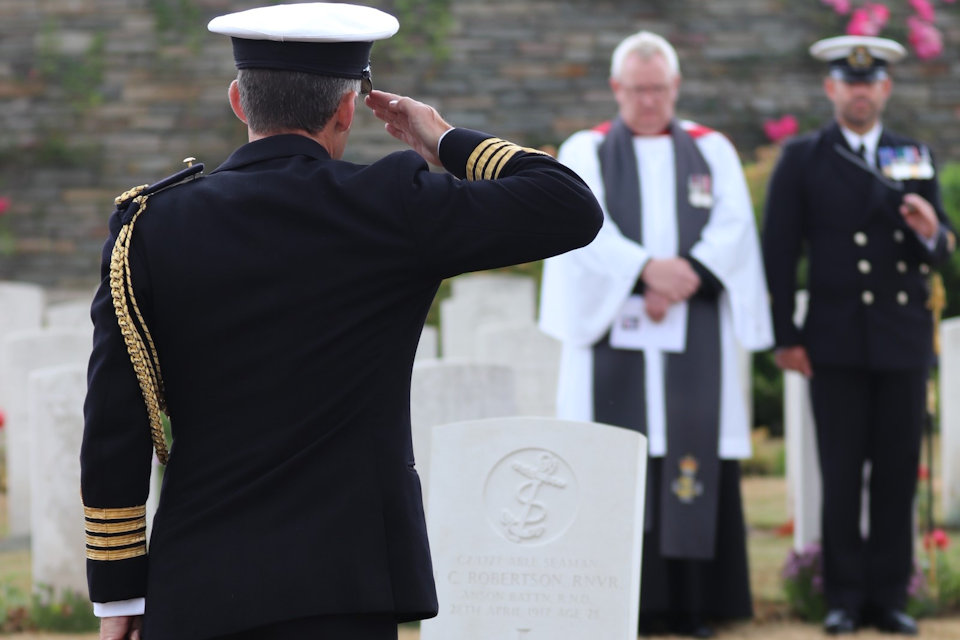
{"x":146,"y":363}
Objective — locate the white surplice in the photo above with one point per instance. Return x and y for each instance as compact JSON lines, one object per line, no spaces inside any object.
{"x":584,"y":290}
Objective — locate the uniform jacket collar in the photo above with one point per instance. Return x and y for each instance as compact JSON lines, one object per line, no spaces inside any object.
{"x":279,"y":146}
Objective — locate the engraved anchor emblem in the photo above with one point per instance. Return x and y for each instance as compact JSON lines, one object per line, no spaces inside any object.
{"x":527,"y":525}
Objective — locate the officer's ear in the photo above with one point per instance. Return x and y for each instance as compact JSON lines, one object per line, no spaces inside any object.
{"x":829,"y":86}
{"x":345,"y":111}
{"x":234,"y":94}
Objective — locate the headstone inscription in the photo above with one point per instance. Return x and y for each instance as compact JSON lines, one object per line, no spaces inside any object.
{"x":535,"y":527}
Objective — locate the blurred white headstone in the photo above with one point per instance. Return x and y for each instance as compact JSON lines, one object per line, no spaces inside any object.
{"x":56,"y":510}
{"x":534,"y":357}
{"x":535,"y":528}
{"x":479,"y":299}
{"x":427,"y":347}
{"x":443,"y":392}
{"x":950,"y":418}
{"x":803,"y":462}
{"x":22,"y":353}
{"x":71,"y":315}
{"x":21,"y":307}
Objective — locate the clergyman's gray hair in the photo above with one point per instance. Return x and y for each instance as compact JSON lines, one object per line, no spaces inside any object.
{"x":646,"y":44}
{"x":276,"y":101}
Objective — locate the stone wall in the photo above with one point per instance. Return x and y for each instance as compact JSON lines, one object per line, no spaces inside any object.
{"x":97,"y":96}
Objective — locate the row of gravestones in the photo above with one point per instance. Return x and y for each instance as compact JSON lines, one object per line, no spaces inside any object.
{"x":803,"y":467}
{"x":534,"y":531}
{"x":42,"y":381}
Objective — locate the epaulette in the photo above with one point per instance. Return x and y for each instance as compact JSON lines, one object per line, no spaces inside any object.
{"x":136,"y":336}
{"x":122,"y":202}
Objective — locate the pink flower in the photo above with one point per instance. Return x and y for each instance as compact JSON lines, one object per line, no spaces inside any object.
{"x":924,"y":38}
{"x":862,"y":23}
{"x":778,"y":130}
{"x":924,"y":9}
{"x":4,"y":204}
{"x":3,"y":418}
{"x":878,"y":12}
{"x":841,"y":7}
{"x":937,"y":538}
{"x":923,"y":472}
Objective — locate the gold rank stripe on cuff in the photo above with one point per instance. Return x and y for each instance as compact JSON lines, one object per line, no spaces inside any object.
{"x":122,"y":513}
{"x":117,"y":533}
{"x":127,"y":526}
{"x":490,"y":156}
{"x":110,"y":542}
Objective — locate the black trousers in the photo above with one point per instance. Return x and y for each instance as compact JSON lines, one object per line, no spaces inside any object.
{"x":878,"y":416}
{"x":370,"y":626}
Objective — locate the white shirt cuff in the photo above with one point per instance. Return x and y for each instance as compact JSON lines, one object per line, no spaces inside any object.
{"x":442,"y":136}
{"x":931,"y":243}
{"x":132,"y":607}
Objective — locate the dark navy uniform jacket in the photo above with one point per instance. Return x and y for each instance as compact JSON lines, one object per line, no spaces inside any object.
{"x":867,"y":271}
{"x":286,"y":293}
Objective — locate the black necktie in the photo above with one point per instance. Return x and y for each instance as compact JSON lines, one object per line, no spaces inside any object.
{"x":862,"y":152}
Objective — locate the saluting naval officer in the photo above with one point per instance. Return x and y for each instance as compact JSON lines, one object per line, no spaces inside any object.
{"x":864,"y":203}
{"x":272,"y":308}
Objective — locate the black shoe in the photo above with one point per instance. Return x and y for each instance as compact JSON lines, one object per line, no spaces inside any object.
{"x":895,"y":621}
{"x":692,"y":628}
{"x":839,"y":621}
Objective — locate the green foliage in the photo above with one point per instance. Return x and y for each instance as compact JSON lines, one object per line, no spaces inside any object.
{"x":79,"y":76}
{"x":769,"y":455}
{"x":45,"y":610}
{"x":67,"y":611}
{"x":177,"y":21}
{"x":950,"y":192}
{"x":424,"y":32}
{"x":803,"y":583}
{"x":803,"y":586}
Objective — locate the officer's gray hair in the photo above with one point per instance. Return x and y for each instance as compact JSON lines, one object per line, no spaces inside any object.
{"x":276,"y":101}
{"x":647,"y":45}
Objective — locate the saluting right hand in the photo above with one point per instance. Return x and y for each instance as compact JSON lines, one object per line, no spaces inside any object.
{"x":794,"y":359}
{"x":415,"y":123}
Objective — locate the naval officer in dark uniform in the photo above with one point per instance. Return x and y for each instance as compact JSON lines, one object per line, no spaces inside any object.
{"x":864,"y":204}
{"x":272,"y":309}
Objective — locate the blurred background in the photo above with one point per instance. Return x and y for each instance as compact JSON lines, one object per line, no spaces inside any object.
{"x":97,"y":96}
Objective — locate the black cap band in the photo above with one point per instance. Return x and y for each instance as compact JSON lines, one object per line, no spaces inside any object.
{"x":339,"y":59}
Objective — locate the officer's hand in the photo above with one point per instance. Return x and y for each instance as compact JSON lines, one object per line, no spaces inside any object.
{"x":671,"y":277}
{"x":416,"y":123}
{"x":655,"y":304}
{"x":919,"y":215}
{"x":120,"y":628}
{"x":794,"y":359}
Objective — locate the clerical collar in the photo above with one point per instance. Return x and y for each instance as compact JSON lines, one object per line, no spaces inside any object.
{"x":870,"y":140}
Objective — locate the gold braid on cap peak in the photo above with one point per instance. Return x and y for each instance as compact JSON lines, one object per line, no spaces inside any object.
{"x":146,"y":362}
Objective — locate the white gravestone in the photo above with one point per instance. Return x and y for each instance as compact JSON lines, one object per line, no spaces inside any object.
{"x":535,"y":528}
{"x":534,"y":357}
{"x":427,"y":346}
{"x":950,"y":418}
{"x":23,"y":352}
{"x":803,"y":463}
{"x":443,"y":392}
{"x":478,"y":299}
{"x":73,"y":314}
{"x":56,"y":512}
{"x":21,"y":307}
